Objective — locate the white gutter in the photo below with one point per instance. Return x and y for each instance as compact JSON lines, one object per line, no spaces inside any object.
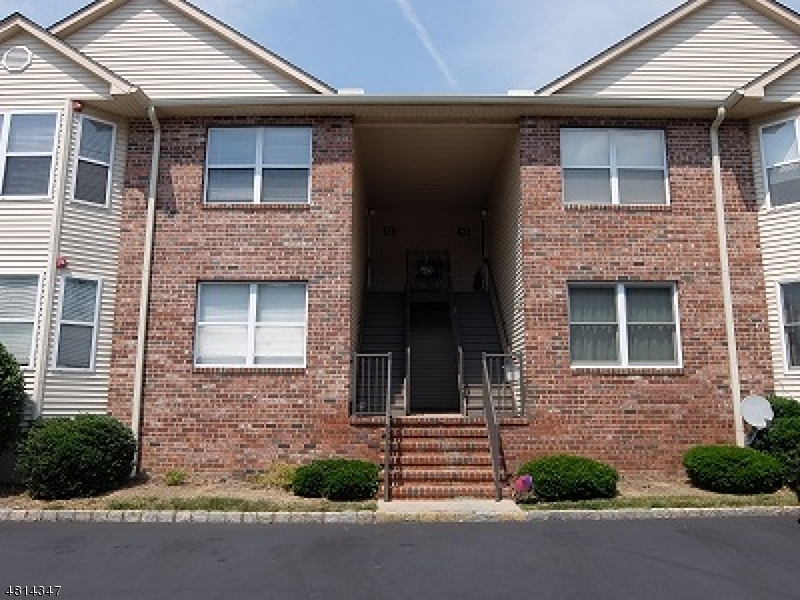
{"x":48,"y":291}
{"x":144,"y":300}
{"x":727,"y":293}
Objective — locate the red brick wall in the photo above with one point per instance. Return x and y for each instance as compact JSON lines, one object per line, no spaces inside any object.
{"x":639,"y":420}
{"x":231,"y":421}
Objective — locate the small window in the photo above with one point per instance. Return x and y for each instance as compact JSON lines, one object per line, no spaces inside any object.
{"x":19,"y":299}
{"x":27,"y":146}
{"x":258,"y":165}
{"x":93,"y":168}
{"x":623,"y":325}
{"x":77,"y":328}
{"x":781,"y":160}
{"x":790,"y":299}
{"x":251,"y":324}
{"x":614,"y":166}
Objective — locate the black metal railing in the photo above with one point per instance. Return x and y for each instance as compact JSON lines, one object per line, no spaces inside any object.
{"x":494,"y":434}
{"x":371,"y":384}
{"x":504,"y":382}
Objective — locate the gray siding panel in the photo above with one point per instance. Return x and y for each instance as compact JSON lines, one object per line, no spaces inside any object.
{"x":171,"y":56}
{"x":706,"y":56}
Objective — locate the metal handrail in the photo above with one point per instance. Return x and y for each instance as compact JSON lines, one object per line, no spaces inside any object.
{"x":369,"y":373}
{"x":493,"y":432}
{"x":494,"y":300}
{"x":509,"y":368}
{"x":387,"y":453}
{"x":407,"y":387}
{"x":459,"y":351}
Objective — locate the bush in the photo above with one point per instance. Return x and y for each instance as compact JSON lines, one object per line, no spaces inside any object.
{"x":12,"y":399}
{"x":782,"y":440}
{"x":336,"y":479}
{"x":175,"y":477}
{"x":278,"y":476}
{"x":567,"y":477}
{"x":733,"y":470}
{"x":784,"y":407}
{"x":70,"y":458}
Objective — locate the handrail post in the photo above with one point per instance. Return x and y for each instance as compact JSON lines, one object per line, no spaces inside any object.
{"x":387,"y":460}
{"x":494,"y":434}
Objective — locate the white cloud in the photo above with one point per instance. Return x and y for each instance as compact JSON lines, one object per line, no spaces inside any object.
{"x":424,"y":37}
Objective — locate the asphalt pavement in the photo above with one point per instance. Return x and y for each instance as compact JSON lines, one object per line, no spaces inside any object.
{"x":729,"y":558}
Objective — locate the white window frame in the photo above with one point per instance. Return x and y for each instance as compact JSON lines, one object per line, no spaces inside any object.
{"x":765,"y":168}
{"x":37,"y":313}
{"x":251,"y":324}
{"x":614,"y":167}
{"x":622,"y":326}
{"x":78,"y":158}
{"x":5,"y":129}
{"x":259,"y":165}
{"x":95,"y":326}
{"x":779,"y":286}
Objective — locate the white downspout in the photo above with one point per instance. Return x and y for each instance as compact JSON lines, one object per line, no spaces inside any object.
{"x":48,"y":290}
{"x":144,"y":300}
{"x":727,"y":294}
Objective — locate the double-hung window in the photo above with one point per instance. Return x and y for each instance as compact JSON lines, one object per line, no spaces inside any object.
{"x":19,"y":299}
{"x":623,"y":325}
{"x":781,"y":158}
{"x":614,"y":166}
{"x":251,"y":325}
{"x":77,"y":324}
{"x":258,"y":165}
{"x":27,"y":147}
{"x":790,"y":318}
{"x":93,"y":169}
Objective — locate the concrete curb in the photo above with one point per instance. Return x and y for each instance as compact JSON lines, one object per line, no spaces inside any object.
{"x":378,"y":517}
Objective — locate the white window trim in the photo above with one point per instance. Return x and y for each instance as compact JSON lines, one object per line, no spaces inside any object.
{"x":4,"y":132}
{"x":258,"y":166}
{"x":95,"y":326}
{"x":37,"y":313}
{"x":614,"y":166}
{"x":251,"y":325}
{"x":787,"y":368}
{"x":622,"y":327}
{"x":78,"y":158}
{"x":764,"y":168}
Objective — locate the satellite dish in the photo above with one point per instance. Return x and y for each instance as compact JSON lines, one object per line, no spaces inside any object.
{"x":757,"y":411}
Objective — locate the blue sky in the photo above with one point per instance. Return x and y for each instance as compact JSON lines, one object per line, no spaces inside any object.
{"x":421,"y":46}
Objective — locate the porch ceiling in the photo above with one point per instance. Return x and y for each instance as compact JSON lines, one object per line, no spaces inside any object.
{"x":442,"y":166}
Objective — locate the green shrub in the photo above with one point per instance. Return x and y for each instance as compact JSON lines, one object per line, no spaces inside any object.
{"x":567,"y":477}
{"x":278,"y":476}
{"x":12,"y":399}
{"x":733,"y":470}
{"x":784,"y":407}
{"x":782,"y":440}
{"x":68,"y":458}
{"x":336,"y":479}
{"x":175,"y":477}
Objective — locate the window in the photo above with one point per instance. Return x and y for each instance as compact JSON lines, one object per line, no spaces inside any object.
{"x":781,"y":160}
{"x":258,"y":164}
{"x":27,"y":145}
{"x":623,"y":325}
{"x":93,"y":169}
{"x":19,"y":299}
{"x":790,"y":300}
{"x":614,"y":166}
{"x":251,"y":324}
{"x":77,"y":328}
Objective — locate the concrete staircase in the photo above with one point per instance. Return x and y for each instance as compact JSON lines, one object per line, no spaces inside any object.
{"x":439,"y":458}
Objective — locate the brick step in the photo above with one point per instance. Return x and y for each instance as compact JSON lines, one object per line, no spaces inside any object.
{"x":446,"y":459}
{"x":445,"y":475}
{"x":432,"y":445}
{"x":438,"y":432}
{"x":427,"y":491}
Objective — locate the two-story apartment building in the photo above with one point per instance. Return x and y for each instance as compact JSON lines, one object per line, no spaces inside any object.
{"x":249,"y":267}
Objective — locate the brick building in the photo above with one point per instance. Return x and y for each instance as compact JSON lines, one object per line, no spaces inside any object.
{"x":249,"y":267}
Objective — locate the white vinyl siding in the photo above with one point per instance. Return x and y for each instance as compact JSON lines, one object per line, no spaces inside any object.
{"x":624,"y":325}
{"x":19,"y":304}
{"x":785,"y":88}
{"x":28,"y":144}
{"x":169,"y":55}
{"x":614,"y":166}
{"x":258,"y":165}
{"x":706,"y":55}
{"x":79,"y":310}
{"x":251,"y":325}
{"x":93,"y":162}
